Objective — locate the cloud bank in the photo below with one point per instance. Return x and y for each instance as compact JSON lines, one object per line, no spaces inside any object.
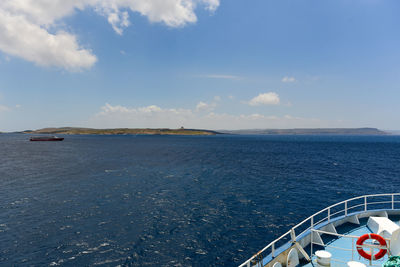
{"x":154,"y":116}
{"x":30,"y":29}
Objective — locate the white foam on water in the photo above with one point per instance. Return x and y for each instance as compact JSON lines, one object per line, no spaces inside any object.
{"x":201,"y":252}
{"x":106,"y":251}
{"x":65,"y":227}
{"x":108,"y":261}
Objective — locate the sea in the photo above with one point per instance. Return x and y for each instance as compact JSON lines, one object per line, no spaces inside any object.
{"x":126,"y":200}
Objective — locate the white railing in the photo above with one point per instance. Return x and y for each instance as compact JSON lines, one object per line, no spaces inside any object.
{"x":353,"y":248}
{"x":341,"y":209}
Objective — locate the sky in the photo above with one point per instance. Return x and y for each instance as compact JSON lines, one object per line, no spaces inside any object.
{"x":211,"y":64}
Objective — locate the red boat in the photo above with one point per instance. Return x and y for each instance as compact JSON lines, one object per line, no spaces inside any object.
{"x":46,"y":138}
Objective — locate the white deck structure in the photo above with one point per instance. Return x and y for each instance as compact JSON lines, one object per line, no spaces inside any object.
{"x":336,"y":229}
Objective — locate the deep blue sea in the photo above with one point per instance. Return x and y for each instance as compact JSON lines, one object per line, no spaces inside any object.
{"x":175,"y":200}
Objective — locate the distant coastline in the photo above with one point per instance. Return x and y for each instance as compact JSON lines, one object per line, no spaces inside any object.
{"x":120,"y":131}
{"x":310,"y":131}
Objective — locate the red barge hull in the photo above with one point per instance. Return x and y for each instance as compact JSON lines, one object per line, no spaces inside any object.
{"x":46,"y":138}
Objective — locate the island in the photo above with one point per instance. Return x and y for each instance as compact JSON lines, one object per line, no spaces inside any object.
{"x":121,"y":131}
{"x":184,"y":131}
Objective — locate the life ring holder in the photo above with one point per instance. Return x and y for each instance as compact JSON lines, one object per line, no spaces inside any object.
{"x":377,"y":256}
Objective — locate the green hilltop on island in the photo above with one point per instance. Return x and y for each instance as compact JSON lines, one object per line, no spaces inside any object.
{"x":121,"y":131}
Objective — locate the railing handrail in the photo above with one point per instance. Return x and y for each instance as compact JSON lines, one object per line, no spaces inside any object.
{"x":329,"y":217}
{"x":341,"y":235}
{"x":342,"y":202}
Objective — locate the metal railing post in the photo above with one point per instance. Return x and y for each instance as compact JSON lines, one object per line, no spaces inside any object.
{"x":292,"y":235}
{"x":372,"y":253}
{"x":345,"y":208}
{"x":329,"y":215}
{"x":392,"y":202}
{"x":365,"y":203}
{"x":273,"y":250}
{"x":312,"y":234}
{"x":312,"y":242}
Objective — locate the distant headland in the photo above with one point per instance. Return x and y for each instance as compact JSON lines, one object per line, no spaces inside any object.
{"x":121,"y":131}
{"x":311,"y":131}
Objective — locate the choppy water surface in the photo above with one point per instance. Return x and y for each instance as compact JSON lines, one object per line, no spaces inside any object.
{"x":174,"y":200}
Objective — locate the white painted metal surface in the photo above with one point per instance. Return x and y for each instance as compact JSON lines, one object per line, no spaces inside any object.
{"x":323,"y":258}
{"x":382,"y":226}
{"x":395,"y":243}
{"x":292,"y":258}
{"x":355,"y":264}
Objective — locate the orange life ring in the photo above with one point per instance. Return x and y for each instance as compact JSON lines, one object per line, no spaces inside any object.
{"x":377,"y":256}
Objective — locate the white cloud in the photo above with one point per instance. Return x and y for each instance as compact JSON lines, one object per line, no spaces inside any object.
{"x":211,"y":5}
{"x":150,"y":116}
{"x":270,"y":98}
{"x":119,"y":21}
{"x":21,"y":38}
{"x":156,"y":117}
{"x":202,"y":106}
{"x":288,"y":79}
{"x":30,"y":29}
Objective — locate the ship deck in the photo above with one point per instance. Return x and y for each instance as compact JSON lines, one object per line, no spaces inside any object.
{"x":335,"y":229}
{"x":343,"y":249}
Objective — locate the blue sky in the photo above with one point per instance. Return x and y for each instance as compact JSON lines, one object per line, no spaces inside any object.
{"x":199,"y":64}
